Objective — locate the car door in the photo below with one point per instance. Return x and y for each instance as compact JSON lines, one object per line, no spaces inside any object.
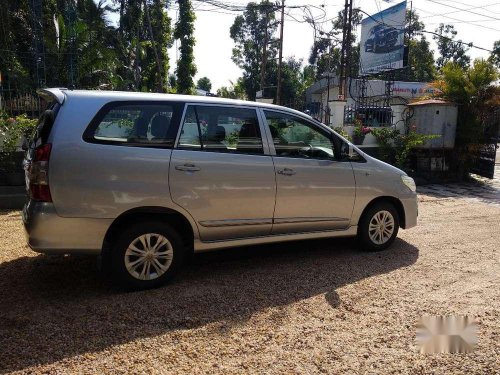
{"x":222,"y":174}
{"x":315,"y":189}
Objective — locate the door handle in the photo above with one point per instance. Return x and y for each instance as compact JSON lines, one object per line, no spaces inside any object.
{"x":187,"y":167}
{"x":287,"y":172}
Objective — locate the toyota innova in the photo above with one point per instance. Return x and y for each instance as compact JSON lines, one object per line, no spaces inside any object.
{"x":145,"y":179}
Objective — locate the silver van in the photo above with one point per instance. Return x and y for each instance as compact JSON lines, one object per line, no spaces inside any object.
{"x":145,"y":179}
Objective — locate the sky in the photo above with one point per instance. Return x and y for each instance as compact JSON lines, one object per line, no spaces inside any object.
{"x":475,"y":21}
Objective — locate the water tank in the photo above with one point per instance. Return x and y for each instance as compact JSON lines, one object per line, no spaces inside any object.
{"x":437,"y":117}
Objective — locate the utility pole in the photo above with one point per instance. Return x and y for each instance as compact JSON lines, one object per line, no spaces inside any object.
{"x":280,"y":63}
{"x":264,"y":56}
{"x":346,"y":49}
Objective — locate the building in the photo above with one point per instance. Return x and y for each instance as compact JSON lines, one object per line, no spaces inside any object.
{"x":377,"y":108}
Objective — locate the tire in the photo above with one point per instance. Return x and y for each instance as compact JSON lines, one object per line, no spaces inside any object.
{"x":137,"y":266}
{"x":372,"y":239}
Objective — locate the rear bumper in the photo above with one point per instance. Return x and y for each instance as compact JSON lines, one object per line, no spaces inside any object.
{"x":410,"y":206}
{"x":49,"y":233}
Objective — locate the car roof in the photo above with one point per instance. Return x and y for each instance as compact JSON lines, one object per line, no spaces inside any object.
{"x":59,"y":94}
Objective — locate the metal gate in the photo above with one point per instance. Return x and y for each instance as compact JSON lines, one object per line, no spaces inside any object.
{"x":485,"y":152}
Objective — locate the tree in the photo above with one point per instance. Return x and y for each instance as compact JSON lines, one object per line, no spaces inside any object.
{"x":326,"y":50}
{"x":450,"y":50}
{"x":420,"y":56}
{"x":473,"y":90}
{"x":184,"y":31}
{"x":235,"y":91}
{"x":249,"y":32}
{"x":156,"y":62}
{"x":204,"y":84}
{"x":495,"y":54}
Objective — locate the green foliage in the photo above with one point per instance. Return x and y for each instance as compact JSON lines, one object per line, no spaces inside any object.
{"x":449,"y":49}
{"x":248,"y":32}
{"x":235,"y":91}
{"x":325,"y":51}
{"x":473,"y":90}
{"x":13,"y":129}
{"x":385,"y":137}
{"x":341,"y":131}
{"x":495,"y":55}
{"x":476,"y":94}
{"x":155,"y":61}
{"x":395,"y":148}
{"x":204,"y":84}
{"x":405,"y":143}
{"x":184,"y":31}
{"x":359,"y":129}
{"x":83,"y":49}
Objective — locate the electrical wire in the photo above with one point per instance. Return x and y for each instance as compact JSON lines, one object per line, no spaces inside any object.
{"x":458,"y":11}
{"x":463,"y":10}
{"x":433,"y":33}
{"x":457,"y":19}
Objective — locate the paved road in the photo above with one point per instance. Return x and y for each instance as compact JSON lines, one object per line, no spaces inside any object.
{"x":479,"y":190}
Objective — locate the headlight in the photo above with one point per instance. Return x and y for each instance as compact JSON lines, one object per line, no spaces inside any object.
{"x":409,"y":182}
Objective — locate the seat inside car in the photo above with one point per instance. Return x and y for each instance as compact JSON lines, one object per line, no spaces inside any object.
{"x":215,"y":139}
{"x":249,"y":139}
{"x":141,"y":127}
{"x":159,"y":128}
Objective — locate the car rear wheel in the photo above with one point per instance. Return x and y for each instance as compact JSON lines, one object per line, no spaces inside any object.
{"x":147,"y":255}
{"x":378,"y":227}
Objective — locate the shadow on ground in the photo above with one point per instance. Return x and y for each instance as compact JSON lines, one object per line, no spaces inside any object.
{"x":54,"y":308}
{"x":478,"y":190}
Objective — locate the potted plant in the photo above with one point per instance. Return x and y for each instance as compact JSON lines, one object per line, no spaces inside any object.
{"x":360,"y":131}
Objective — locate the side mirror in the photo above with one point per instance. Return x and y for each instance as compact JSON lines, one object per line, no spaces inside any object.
{"x":349,"y":153}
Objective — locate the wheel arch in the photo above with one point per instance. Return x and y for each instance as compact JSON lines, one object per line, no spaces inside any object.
{"x":395,"y":202}
{"x":174,"y":218}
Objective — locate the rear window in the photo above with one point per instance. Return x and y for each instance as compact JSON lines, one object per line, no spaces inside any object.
{"x":44,"y":126}
{"x":135,"y":124}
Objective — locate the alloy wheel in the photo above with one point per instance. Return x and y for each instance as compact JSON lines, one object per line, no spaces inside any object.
{"x":149,"y":256}
{"x":381,"y":227}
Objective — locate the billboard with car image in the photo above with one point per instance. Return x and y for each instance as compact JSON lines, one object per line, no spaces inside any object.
{"x":382,"y":40}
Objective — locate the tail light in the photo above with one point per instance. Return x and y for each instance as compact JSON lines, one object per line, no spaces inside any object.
{"x":39,"y":174}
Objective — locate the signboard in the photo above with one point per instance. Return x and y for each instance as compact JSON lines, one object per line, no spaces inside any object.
{"x":382,"y":40}
{"x":413,"y":89}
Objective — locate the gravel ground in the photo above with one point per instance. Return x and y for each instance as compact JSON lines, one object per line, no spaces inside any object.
{"x":307,"y":307}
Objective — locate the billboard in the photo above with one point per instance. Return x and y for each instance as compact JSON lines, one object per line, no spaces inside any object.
{"x":382,"y":40}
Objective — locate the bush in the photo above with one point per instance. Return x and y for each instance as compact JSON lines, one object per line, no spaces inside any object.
{"x":340,"y":130}
{"x":395,"y":148}
{"x":13,"y":129}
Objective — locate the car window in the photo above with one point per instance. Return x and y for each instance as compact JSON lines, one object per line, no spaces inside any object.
{"x":138,"y":124}
{"x":221,"y":129}
{"x":296,"y":137}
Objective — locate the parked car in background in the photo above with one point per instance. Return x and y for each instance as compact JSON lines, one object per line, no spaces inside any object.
{"x":381,"y":39}
{"x":146,"y":179}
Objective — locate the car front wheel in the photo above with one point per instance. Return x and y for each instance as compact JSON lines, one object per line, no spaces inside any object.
{"x":378,"y":227}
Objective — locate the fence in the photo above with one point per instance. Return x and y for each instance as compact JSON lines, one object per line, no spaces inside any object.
{"x":15,"y":104}
{"x":372,"y":114}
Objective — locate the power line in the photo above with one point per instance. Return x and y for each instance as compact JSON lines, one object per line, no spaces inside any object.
{"x":460,"y":20}
{"x":467,"y":9}
{"x":462,"y":9}
{"x":453,"y":23}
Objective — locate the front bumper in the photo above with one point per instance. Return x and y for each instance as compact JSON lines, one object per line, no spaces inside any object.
{"x":410,"y":206}
{"x":49,"y":233}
